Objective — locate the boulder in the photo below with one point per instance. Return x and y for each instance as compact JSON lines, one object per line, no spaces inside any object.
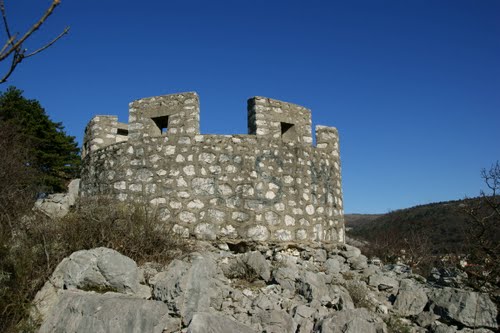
{"x":276,"y":321}
{"x":467,"y":308}
{"x":57,"y":205}
{"x":448,"y":277}
{"x":203,"y":322}
{"x":335,"y":265}
{"x":286,"y":276}
{"x":81,"y":312}
{"x":383,"y":282}
{"x":341,"y":300}
{"x":304,"y":293}
{"x":312,"y":286}
{"x":426,"y":319}
{"x":358,"y":263}
{"x":189,"y":288}
{"x":351,"y":321}
{"x":410,"y":300}
{"x":248,"y":265}
{"x":303,"y":316}
{"x":99,"y":269}
{"x":350,"y":252}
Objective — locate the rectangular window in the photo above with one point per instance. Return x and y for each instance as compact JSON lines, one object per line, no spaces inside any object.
{"x":161,"y":123}
{"x":122,"y":131}
{"x":288,"y":132}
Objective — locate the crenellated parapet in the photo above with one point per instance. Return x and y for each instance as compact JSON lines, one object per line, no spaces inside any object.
{"x":177,"y":114}
{"x":279,"y":120}
{"x":269,"y":185}
{"x":103,"y":131}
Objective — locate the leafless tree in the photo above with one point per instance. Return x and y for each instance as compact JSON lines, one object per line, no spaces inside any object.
{"x":484,"y":227}
{"x":14,"y":50}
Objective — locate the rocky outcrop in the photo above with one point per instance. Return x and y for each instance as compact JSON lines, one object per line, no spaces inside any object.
{"x":259,"y":288}
{"x":57,"y":205}
{"x":464,"y":308}
{"x":109,"y":313}
{"x":98,"y":270}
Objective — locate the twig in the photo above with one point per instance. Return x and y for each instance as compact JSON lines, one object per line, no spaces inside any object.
{"x":6,"y":25}
{"x":15,"y":47}
{"x":65,"y":31}
{"x":7,"y":43}
{"x":34,"y":28}
{"x":16,"y":59}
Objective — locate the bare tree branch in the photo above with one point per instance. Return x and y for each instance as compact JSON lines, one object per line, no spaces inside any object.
{"x":15,"y":61}
{"x":484,"y":223}
{"x":46,"y":46}
{"x":14,"y":46}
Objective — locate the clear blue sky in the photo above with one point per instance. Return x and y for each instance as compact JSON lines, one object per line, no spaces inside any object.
{"x":413,"y":86}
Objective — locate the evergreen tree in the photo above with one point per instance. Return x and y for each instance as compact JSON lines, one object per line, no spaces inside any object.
{"x":53,"y":153}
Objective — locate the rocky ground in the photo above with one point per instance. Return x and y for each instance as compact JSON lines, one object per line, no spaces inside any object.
{"x":254,"y":288}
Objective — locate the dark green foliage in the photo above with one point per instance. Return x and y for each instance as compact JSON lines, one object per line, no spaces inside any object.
{"x":49,"y":149}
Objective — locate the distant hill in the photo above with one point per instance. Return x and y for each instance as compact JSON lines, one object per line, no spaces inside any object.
{"x":359,"y":220}
{"x":444,"y":225}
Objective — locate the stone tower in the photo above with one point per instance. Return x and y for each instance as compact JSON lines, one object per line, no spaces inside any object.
{"x":271,"y":184}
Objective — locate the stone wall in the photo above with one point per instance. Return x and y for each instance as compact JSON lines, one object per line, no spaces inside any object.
{"x":269,"y":185}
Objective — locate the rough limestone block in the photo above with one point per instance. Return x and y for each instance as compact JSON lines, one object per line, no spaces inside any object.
{"x":80,"y":312}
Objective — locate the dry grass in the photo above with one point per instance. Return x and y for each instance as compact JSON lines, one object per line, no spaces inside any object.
{"x":31,"y":248}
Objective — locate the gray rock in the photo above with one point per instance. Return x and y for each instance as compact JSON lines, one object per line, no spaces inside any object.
{"x":438,"y":327}
{"x":258,"y":263}
{"x":442,"y":328}
{"x":81,"y":312}
{"x":312,"y":286}
{"x":100,"y":268}
{"x":410,"y":300}
{"x":203,"y":322}
{"x":303,"y":316}
{"x":341,"y":300}
{"x":449,"y":277}
{"x":169,"y":286}
{"x":475,"y":330}
{"x":370,"y":270}
{"x":189,"y":289}
{"x":120,"y":272}
{"x":358,"y":263}
{"x":351,"y":321}
{"x":425,"y":319}
{"x":333,"y":266}
{"x":319,"y":255}
{"x":465,"y":307}
{"x":286,"y":276}
{"x":73,"y":191}
{"x":398,"y":269}
{"x":383,"y":282}
{"x":276,"y":321}
{"x":270,"y":298}
{"x":350,"y":252}
{"x":57,"y":205}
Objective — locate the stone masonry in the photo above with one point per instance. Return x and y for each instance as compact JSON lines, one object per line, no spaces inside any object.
{"x":268,"y":185}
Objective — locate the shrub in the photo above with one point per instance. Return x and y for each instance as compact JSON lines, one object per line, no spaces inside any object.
{"x":134,"y":230}
{"x":35,"y":245}
{"x":397,"y":325}
{"x":359,"y":294}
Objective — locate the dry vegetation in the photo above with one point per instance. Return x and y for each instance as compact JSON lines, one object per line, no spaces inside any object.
{"x":461,"y":233}
{"x":33,"y":246}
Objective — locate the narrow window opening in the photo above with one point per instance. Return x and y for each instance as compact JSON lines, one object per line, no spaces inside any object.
{"x":161,"y":123}
{"x":288,"y":132}
{"x":285,"y":127}
{"x":122,"y":131}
